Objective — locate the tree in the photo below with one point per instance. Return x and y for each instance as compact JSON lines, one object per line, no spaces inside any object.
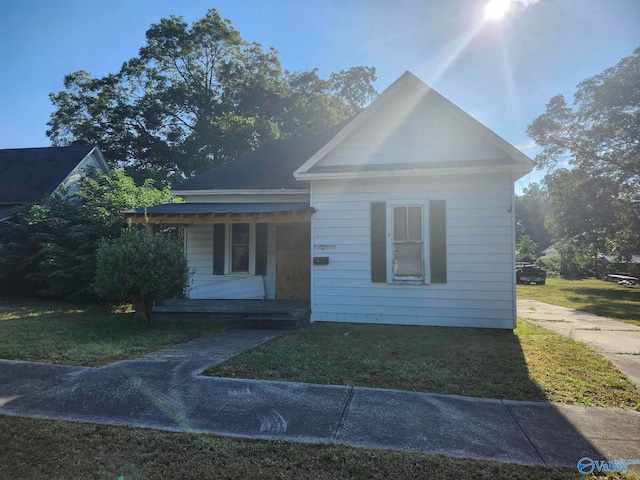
{"x":50,"y":248}
{"x":531,"y":210}
{"x":593,"y":153}
{"x":526,"y":248}
{"x":196,"y":96}
{"x":139,"y":268}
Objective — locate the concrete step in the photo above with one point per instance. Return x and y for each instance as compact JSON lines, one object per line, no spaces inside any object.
{"x":277,"y":321}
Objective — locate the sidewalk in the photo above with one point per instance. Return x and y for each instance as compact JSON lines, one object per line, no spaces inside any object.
{"x":616,"y":340}
{"x":163,"y":391}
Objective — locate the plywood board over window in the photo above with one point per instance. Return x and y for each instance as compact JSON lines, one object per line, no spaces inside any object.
{"x":293,"y":262}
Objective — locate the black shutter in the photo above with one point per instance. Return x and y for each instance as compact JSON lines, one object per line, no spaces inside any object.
{"x":218,"y":248}
{"x":379,"y":242}
{"x":261,"y":248}
{"x":438,"y":240}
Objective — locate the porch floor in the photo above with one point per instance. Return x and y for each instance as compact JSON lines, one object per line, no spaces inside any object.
{"x":242,"y":307}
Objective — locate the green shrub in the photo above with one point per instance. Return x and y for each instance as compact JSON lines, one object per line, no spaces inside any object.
{"x":49,"y":248}
{"x":139,"y":268}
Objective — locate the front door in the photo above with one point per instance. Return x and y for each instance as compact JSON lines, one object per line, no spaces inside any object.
{"x":293,"y":262}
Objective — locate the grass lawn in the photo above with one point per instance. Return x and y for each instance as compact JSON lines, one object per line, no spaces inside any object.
{"x":84,"y":335}
{"x":592,"y":296}
{"x":32,"y":448}
{"x":531,"y":363}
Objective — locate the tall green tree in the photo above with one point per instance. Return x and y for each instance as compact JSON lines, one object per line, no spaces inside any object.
{"x":50,"y":248}
{"x":196,"y":96}
{"x":532,"y":208}
{"x":592,"y":150}
{"x":526,"y":248}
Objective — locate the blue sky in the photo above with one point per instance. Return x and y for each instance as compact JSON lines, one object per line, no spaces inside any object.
{"x":502,"y":73}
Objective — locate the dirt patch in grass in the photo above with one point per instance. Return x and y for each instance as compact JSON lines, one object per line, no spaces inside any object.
{"x":593,"y":296}
{"x":56,"y":450}
{"x":85,"y":335}
{"x":530,"y":363}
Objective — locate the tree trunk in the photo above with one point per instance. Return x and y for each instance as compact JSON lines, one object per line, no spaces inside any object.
{"x":143,"y":310}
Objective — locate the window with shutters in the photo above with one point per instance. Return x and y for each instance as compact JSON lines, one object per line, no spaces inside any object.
{"x":408,"y":243}
{"x":239,"y":248}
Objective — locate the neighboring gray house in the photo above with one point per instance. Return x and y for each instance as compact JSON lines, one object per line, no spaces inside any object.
{"x":27,"y":175}
{"x":404,"y":215}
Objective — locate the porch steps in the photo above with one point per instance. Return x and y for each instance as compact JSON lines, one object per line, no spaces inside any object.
{"x":278,"y":320}
{"x":249,"y":313}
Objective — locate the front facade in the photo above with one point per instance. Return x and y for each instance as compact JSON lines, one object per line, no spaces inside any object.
{"x":404,"y":214}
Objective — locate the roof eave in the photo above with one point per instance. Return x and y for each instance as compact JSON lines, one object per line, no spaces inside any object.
{"x":518,"y":169}
{"x":244,"y":191}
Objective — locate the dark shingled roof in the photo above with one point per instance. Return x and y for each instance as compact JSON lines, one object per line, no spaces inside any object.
{"x":269,"y":167}
{"x":27,"y":175}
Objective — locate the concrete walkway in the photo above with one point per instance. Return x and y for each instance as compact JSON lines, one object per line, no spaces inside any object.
{"x":164,"y":392}
{"x":616,"y":340}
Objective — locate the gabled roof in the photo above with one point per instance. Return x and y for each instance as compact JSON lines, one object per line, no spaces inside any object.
{"x":268,"y":167}
{"x":27,"y":175}
{"x":410,"y":85}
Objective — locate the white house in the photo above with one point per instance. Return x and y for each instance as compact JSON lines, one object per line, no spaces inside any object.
{"x":403,"y":214}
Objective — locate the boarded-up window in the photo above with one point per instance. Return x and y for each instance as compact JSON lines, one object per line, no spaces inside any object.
{"x":438,"y":240}
{"x":378,"y":242}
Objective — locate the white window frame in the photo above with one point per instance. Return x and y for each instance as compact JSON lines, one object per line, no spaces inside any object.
{"x":404,"y":279}
{"x":252,"y":250}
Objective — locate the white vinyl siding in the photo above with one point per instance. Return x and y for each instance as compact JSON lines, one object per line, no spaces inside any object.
{"x":414,"y":133}
{"x":480,"y":258}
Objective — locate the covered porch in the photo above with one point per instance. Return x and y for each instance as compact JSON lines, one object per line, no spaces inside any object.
{"x":240,"y":251}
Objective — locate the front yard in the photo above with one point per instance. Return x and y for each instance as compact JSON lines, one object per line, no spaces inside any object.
{"x":528,"y":364}
{"x":531,"y":363}
{"x":591,"y":295}
{"x":57,"y":450}
{"x":84,"y":335}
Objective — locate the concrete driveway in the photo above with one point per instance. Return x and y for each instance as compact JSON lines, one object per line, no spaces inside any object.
{"x":616,"y":340}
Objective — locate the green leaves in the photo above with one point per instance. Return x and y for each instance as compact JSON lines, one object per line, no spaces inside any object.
{"x":50,"y":249}
{"x":139,"y":267}
{"x":593,"y":154}
{"x":196,"y":96}
{"x":526,"y":248}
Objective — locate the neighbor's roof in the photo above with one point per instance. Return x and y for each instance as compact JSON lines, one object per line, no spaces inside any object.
{"x":268,"y":167}
{"x":29,"y":174}
{"x":7,"y":212}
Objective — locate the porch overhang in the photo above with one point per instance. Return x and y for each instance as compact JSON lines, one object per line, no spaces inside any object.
{"x":190,"y":213}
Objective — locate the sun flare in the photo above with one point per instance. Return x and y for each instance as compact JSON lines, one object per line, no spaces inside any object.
{"x":495,"y":10}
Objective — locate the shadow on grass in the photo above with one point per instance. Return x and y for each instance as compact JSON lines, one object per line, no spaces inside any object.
{"x":462,"y":361}
{"x":624,"y":304}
